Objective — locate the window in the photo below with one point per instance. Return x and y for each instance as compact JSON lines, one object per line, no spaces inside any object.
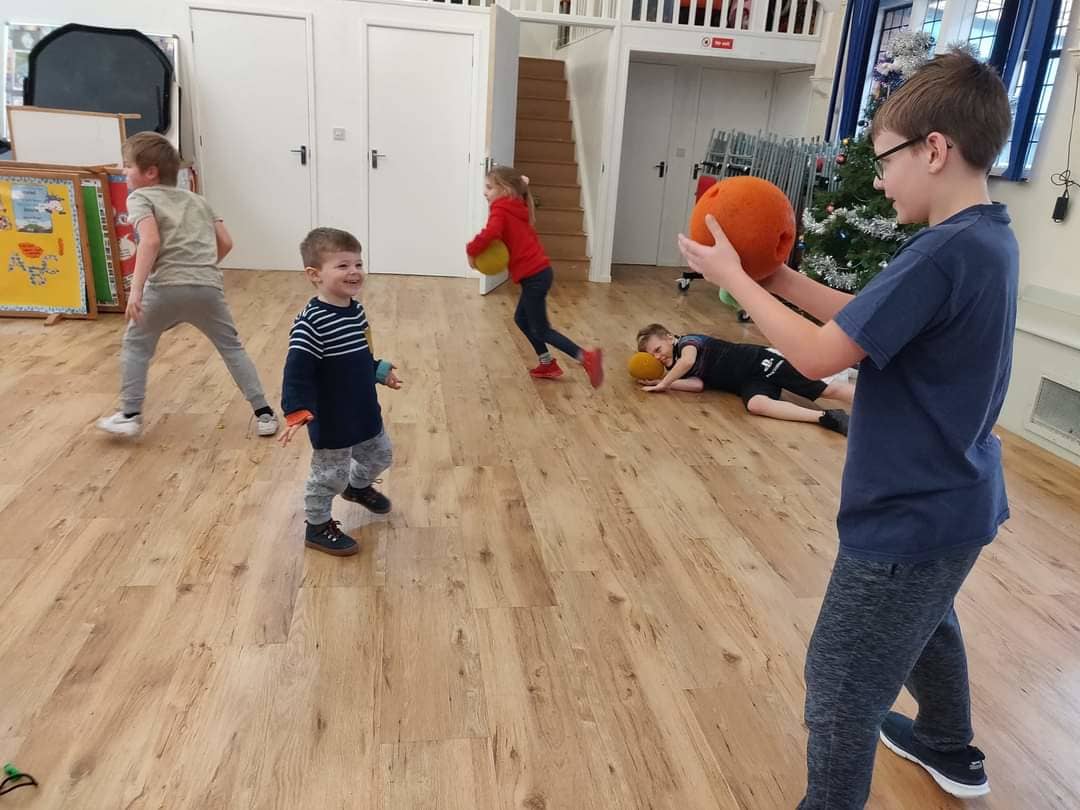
{"x":1047,"y":85}
{"x":1024,"y":40}
{"x":893,"y":21}
{"x":984,"y":26}
{"x":935,"y":13}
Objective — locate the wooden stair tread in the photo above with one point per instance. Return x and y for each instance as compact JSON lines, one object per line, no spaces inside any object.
{"x":553,"y":185}
{"x":549,"y":162}
{"x":542,"y":98}
{"x":571,"y":210}
{"x":520,"y":137}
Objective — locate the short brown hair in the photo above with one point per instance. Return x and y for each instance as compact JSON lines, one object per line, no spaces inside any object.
{"x":321,"y":241}
{"x":149,"y":149}
{"x":960,"y":97}
{"x":652,"y":330}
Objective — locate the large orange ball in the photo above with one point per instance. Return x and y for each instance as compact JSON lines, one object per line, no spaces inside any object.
{"x":756,"y":216}
{"x":643,"y":366}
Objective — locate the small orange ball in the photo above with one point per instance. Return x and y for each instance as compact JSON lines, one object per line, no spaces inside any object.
{"x":756,"y":216}
{"x":643,"y":366}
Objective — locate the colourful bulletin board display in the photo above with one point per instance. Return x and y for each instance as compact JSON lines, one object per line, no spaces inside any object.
{"x":100,"y":237}
{"x":42,"y":238}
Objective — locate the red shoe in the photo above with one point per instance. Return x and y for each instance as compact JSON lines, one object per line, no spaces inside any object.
{"x":547,"y":371}
{"x":593,"y":361}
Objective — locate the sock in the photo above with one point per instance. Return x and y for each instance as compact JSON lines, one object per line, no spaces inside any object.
{"x":265,"y":411}
{"x":546,"y":358}
{"x":130,"y":415}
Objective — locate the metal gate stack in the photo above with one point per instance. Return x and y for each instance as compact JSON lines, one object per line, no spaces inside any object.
{"x":799,"y":167}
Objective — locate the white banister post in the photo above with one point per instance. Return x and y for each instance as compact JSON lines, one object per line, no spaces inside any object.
{"x":758,"y":12}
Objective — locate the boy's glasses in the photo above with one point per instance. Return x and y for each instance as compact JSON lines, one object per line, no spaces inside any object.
{"x":879,"y":167}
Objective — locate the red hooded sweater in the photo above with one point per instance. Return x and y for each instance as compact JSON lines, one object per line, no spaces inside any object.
{"x":508,"y":220}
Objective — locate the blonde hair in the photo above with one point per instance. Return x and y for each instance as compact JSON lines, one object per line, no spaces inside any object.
{"x":515,"y":184}
{"x":149,"y":149}
{"x":650,"y":331}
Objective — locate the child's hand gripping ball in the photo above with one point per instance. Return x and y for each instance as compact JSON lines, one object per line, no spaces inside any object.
{"x":757,"y":218}
{"x":643,"y":366}
{"x":493,"y":259}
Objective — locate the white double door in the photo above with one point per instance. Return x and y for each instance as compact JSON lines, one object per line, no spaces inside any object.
{"x":671,"y":112}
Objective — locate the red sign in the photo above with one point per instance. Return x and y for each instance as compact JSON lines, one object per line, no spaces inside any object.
{"x":722,"y":43}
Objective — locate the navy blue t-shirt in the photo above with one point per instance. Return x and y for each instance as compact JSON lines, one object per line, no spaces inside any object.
{"x":923,"y":476}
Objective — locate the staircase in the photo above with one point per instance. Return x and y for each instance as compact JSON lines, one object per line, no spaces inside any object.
{"x":544,"y":150}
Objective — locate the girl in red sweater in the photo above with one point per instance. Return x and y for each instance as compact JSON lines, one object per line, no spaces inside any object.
{"x":511,"y":220}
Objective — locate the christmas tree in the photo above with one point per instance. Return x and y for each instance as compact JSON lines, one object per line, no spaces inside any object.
{"x":850,"y":234}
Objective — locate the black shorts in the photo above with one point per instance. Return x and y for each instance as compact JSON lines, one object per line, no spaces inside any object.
{"x":776,"y":375}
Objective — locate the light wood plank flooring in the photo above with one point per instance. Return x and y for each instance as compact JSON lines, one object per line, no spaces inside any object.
{"x":583,"y":599}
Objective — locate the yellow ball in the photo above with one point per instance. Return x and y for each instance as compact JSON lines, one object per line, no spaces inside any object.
{"x":643,"y":366}
{"x":493,"y":259}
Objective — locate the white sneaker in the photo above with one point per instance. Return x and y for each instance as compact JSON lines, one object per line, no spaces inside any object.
{"x":120,"y":425}
{"x":267,"y":424}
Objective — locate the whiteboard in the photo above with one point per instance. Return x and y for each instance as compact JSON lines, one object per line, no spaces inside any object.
{"x":40,"y":135}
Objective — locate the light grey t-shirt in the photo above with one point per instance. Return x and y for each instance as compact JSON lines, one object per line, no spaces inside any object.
{"x":185,"y":222}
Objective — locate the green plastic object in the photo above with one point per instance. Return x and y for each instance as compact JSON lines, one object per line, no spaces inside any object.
{"x":726,"y":298}
{"x":11,"y":770}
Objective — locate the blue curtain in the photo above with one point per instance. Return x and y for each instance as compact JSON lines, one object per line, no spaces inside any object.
{"x":860,"y":39}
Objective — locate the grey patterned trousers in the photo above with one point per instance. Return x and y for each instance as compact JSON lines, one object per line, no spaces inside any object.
{"x":332,"y":470}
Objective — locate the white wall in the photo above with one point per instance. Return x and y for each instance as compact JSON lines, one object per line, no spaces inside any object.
{"x":790,"y":103}
{"x":1049,"y":251}
{"x":340,"y":79}
{"x":536,"y":40}
{"x":586,"y":73}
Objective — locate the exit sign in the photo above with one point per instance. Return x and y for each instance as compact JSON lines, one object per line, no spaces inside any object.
{"x":721,"y":43}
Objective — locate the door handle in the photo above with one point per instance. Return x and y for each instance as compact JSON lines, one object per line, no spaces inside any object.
{"x":302,"y":151}
{"x":662,"y":166}
{"x":375,"y":155}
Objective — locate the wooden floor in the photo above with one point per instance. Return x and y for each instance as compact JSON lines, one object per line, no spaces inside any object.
{"x":582,"y":599}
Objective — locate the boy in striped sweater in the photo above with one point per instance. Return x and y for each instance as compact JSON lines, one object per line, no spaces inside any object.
{"x":329,"y":385}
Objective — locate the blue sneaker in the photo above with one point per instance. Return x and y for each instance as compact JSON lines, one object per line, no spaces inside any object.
{"x":959,"y":773}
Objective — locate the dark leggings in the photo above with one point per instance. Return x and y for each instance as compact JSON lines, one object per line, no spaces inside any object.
{"x":531,"y":316}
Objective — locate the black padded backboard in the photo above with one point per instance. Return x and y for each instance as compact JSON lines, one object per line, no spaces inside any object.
{"x":113,"y":70}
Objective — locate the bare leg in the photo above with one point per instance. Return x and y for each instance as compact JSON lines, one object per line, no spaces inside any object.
{"x":840,"y":391}
{"x":761,"y":405}
{"x":692,"y":384}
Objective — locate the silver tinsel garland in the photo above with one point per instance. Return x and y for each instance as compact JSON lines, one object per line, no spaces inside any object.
{"x":877,"y":227}
{"x":827,"y":268}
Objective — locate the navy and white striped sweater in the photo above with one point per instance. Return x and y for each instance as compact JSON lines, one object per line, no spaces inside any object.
{"x":330,"y":372}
